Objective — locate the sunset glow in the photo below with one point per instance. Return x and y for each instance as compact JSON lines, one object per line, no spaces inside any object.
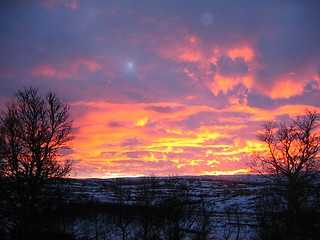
{"x":163,"y":87}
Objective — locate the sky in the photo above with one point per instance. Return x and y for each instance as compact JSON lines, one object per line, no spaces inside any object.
{"x":168,"y":87}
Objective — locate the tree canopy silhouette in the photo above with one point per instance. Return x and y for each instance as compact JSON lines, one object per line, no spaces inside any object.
{"x":33,"y":130}
{"x":291,"y":149}
{"x":292,"y":161}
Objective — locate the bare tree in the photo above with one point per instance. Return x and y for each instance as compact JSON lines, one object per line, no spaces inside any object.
{"x":292,"y":161}
{"x":292,"y":149}
{"x":33,"y":130}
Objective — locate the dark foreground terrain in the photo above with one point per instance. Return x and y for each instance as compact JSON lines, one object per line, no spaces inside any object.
{"x":207,"y":207}
{"x":220,"y":207}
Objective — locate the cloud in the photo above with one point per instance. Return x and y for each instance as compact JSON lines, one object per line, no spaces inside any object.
{"x":191,"y":141}
{"x":176,"y":87}
{"x":232,"y":67}
{"x":286,"y":89}
{"x":164,"y":109}
{"x":115,"y":124}
{"x":131,"y":142}
{"x":53,"y":4}
{"x":67,"y":70}
{"x":243,"y":52}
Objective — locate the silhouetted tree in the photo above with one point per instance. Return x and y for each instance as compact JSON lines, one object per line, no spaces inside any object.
{"x":292,"y":161}
{"x":33,"y":131}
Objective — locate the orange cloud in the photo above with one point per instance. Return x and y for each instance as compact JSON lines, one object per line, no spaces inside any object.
{"x":108,"y":133}
{"x":222,"y":77}
{"x":258,"y":114}
{"x":135,"y":139}
{"x":286,"y":88}
{"x":289,"y":84}
{"x":205,"y":68}
{"x":224,"y":84}
{"x":245,"y":52}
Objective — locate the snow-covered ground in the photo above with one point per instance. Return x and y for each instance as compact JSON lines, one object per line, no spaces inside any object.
{"x":229,"y":200}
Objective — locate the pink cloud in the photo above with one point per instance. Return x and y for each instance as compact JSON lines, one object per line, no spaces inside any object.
{"x":288,"y":85}
{"x":53,"y":4}
{"x":245,"y":52}
{"x":67,"y":69}
{"x":286,"y":88}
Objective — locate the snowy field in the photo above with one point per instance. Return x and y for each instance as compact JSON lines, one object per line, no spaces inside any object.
{"x":228,"y":202}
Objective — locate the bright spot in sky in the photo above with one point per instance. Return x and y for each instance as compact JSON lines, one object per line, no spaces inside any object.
{"x":207,"y":19}
{"x":130,"y":66}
